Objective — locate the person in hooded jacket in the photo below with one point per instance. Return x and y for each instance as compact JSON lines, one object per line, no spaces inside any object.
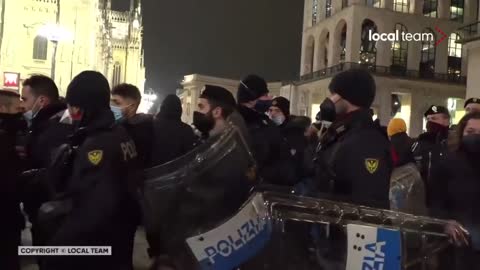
{"x":456,"y":193}
{"x":102,"y":183}
{"x":431,"y":147}
{"x":407,"y":190}
{"x":11,"y":122}
{"x":269,"y":148}
{"x":126,"y":99}
{"x":171,"y":137}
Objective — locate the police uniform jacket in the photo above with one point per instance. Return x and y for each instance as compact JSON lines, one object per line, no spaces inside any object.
{"x":104,"y":213}
{"x":354,"y":162}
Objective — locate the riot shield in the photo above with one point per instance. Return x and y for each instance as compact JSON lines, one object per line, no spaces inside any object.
{"x":290,"y":232}
{"x":191,"y":185}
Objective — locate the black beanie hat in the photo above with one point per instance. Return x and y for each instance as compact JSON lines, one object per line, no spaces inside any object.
{"x":251,"y":88}
{"x":90,"y":91}
{"x":283,"y":104}
{"x":218,"y":94}
{"x":437,"y":110}
{"x":356,"y":86}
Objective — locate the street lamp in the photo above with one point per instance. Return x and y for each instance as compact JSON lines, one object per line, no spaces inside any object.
{"x":55,"y":33}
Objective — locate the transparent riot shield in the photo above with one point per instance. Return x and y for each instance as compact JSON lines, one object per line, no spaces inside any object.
{"x":193,"y":186}
{"x":282,"y":231}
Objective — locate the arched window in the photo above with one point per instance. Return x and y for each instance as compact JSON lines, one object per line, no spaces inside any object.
{"x":325,"y":56}
{"x":368,"y":48}
{"x":456,"y":10}
{"x":117,"y":74}
{"x":309,"y":55}
{"x":454,"y":56}
{"x":427,"y":60}
{"x":343,"y":44}
{"x":315,"y":12}
{"x":373,"y":3}
{"x":430,"y":8}
{"x":399,"y":51}
{"x":40,"y":48}
{"x":401,"y":6}
{"x":344,"y":4}
{"x":328,"y":8}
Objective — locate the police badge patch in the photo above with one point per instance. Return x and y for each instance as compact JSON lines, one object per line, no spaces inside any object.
{"x":372,"y":165}
{"x":95,"y":157}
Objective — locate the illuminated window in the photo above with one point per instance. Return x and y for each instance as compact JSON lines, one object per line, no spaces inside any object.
{"x":373,"y":3}
{"x":430,"y":8}
{"x":328,"y":8}
{"x":315,"y":12}
{"x":368,"y":48}
{"x":344,"y":4}
{"x":427,"y":61}
{"x":454,"y":55}
{"x":401,"y":6}
{"x":343,"y":44}
{"x":40,"y":48}
{"x":456,"y":10}
{"x":400,"y":49}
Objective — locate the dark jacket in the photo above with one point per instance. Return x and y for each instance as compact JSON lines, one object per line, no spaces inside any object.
{"x":105,"y":213}
{"x":12,"y":221}
{"x":428,"y":151}
{"x":140,"y":129}
{"x":354,"y":162}
{"x":270,"y":149}
{"x":402,"y":146}
{"x":456,"y":189}
{"x":172,"y":138}
{"x":45,"y":136}
{"x":293,"y":132}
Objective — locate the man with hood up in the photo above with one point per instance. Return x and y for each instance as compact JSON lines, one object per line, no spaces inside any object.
{"x":105,"y":169}
{"x":171,"y":137}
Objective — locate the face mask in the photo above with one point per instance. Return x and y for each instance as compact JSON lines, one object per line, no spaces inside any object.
{"x":117,"y":112}
{"x":471,"y":143}
{"x":262,"y":106}
{"x":433,"y":127}
{"x":203,"y":122}
{"x":278,"y":120}
{"x":327,"y":113}
{"x":29,"y":115}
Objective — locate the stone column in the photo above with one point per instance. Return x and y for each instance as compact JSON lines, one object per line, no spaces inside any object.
{"x":316,"y":53}
{"x":469,"y":11}
{"x":385,"y":102}
{"x":473,"y":79}
{"x":384,"y":53}
{"x":354,"y":32}
{"x":416,"y":115}
{"x":334,"y":48}
{"x":417,"y":7}
{"x":414,"y":55}
{"x":441,"y":57}
{"x":465,"y":60}
{"x":388,"y":4}
{"x":443,"y":9}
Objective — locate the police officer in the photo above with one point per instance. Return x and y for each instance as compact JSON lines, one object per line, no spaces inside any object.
{"x":105,"y":168}
{"x":217,"y":193}
{"x":354,"y":162}
{"x":431,"y":146}
{"x":11,"y":122}
{"x":472,"y":105}
{"x":126,"y":99}
{"x":270,"y":150}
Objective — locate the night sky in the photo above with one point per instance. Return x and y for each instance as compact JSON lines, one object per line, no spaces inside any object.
{"x":226,"y":38}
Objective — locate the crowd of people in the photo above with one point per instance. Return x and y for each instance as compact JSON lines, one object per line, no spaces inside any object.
{"x":73,"y":166}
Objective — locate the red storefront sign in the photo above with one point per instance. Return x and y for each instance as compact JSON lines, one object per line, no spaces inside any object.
{"x":11,"y":79}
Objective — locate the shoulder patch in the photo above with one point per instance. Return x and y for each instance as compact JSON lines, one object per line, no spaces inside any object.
{"x":371,"y":164}
{"x":95,"y":157}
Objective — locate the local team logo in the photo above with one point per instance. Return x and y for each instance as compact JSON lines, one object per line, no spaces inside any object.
{"x":95,"y":157}
{"x":372,"y":165}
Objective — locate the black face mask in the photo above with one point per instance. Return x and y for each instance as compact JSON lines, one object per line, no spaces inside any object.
{"x":327,"y":112}
{"x":471,"y":143}
{"x":203,"y":122}
{"x":262,"y":106}
{"x":436,"y":128}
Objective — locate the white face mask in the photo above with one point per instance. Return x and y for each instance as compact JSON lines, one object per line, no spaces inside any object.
{"x":278,"y":120}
